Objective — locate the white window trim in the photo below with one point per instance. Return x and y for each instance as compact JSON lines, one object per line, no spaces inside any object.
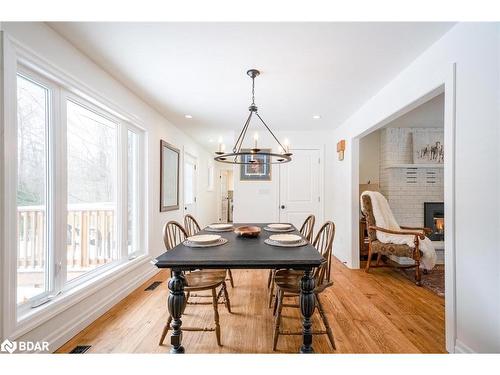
{"x":15,"y":53}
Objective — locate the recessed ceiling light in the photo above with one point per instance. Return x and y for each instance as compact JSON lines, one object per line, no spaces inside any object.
{"x":316,"y":117}
{"x":188,"y":116}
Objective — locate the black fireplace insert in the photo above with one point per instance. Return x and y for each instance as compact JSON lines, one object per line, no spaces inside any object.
{"x":434,"y":219}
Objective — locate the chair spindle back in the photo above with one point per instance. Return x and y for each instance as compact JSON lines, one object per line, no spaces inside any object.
{"x":173,"y":234}
{"x":308,"y":227}
{"x":191,"y":225}
{"x":324,"y":243}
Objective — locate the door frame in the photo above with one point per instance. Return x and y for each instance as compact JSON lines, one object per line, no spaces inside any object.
{"x":187,"y":155}
{"x":321,"y":149}
{"x":447,"y":85}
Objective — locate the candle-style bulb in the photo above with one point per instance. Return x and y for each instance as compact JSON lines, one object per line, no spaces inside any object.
{"x":286,"y":144}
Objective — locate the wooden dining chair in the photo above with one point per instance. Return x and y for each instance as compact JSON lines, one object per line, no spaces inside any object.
{"x":288,"y":285}
{"x":306,"y":230}
{"x":199,"y":280}
{"x":192,"y":227}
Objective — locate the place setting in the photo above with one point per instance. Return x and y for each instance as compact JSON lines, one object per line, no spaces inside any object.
{"x":279,"y":227}
{"x":205,"y":240}
{"x":220,"y":227}
{"x":286,"y":240}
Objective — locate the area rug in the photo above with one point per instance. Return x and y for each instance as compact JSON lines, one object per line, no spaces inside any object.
{"x":434,"y":280}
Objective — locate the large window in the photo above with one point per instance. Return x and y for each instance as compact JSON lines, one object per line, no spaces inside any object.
{"x":32,"y":189}
{"x":70,"y":147}
{"x":91,"y":173}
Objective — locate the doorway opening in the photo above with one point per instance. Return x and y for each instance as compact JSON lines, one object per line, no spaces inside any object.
{"x":225,"y":210}
{"x":190,"y":184}
{"x":409,"y":159}
{"x":404,"y":160}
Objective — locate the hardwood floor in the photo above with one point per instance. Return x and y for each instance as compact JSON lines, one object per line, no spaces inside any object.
{"x":379,"y":312}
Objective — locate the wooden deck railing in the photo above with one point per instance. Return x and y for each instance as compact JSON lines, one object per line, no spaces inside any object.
{"x":90,"y":236}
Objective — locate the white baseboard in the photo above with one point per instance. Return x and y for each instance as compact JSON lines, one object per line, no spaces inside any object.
{"x":461,"y":348}
{"x":60,"y":336}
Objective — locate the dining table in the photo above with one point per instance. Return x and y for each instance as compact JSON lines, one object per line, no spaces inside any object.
{"x":240,"y":253}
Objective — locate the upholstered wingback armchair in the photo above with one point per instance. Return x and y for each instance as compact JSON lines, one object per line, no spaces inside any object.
{"x":380,"y":248}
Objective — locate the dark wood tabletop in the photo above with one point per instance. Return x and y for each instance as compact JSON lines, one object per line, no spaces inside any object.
{"x":241,"y":252}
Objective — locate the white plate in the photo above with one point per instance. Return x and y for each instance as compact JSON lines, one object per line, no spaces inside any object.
{"x":280,"y":226}
{"x":204,"y":238}
{"x":220,"y":226}
{"x":285,"y":238}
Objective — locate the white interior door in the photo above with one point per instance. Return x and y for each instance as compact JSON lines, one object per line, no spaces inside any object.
{"x":224,"y":207}
{"x":300,"y":187}
{"x":190,"y":191}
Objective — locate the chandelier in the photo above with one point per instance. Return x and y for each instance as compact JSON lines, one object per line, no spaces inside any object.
{"x":253,"y":155}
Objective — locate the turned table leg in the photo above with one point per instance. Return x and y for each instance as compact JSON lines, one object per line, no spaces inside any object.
{"x":176,"y":305}
{"x":307,"y":305}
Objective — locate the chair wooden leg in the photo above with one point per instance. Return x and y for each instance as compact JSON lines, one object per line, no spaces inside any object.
{"x":271,"y":292}
{"x":277,"y":321}
{"x":329,"y":266}
{"x":227,"y":302}
{"x":325,"y":322}
{"x":368,"y":261}
{"x":269,"y":278}
{"x":165,"y":330}
{"x":275,"y":306}
{"x":216,"y":316}
{"x":230,"y":274}
{"x":418,"y":276}
{"x":379,"y":257}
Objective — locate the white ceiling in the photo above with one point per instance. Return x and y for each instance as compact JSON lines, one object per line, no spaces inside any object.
{"x":329,"y":69}
{"x":427,"y":115}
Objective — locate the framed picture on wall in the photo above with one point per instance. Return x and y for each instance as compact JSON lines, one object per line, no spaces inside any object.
{"x":169,"y":177}
{"x":259,"y":170}
{"x":428,"y":146}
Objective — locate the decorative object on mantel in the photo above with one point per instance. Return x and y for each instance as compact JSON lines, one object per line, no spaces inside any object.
{"x":169,"y":177}
{"x":253,"y":155}
{"x":341,"y":149}
{"x":428,"y":146}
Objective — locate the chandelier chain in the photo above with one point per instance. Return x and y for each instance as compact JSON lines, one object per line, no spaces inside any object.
{"x":253,"y":90}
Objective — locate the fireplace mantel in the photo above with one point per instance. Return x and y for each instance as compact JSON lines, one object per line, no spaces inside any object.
{"x":414,"y":166}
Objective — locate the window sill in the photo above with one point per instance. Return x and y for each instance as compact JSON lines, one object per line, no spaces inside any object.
{"x":43,"y":313}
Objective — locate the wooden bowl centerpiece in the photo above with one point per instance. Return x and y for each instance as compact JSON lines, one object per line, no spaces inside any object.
{"x":247,"y":231}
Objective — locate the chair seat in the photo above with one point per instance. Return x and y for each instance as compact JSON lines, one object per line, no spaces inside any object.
{"x":392,"y":249}
{"x":202,"y":279}
{"x":289,"y":280}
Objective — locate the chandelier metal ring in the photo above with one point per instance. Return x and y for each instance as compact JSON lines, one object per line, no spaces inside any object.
{"x":279,"y":158}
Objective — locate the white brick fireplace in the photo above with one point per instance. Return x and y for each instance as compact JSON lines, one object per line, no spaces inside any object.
{"x":406,"y":185}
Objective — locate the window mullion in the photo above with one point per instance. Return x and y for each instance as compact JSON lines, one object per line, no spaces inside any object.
{"x":122,"y":203}
{"x":60,"y":190}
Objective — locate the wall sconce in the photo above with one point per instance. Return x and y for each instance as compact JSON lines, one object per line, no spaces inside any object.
{"x":341,"y":149}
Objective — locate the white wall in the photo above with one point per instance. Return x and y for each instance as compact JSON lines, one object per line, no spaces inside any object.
{"x":259,"y":201}
{"x":369,"y":158}
{"x":474,"y":49}
{"x":49,"y":45}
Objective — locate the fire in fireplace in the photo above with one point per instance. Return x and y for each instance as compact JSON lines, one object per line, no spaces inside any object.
{"x":434,"y":219}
